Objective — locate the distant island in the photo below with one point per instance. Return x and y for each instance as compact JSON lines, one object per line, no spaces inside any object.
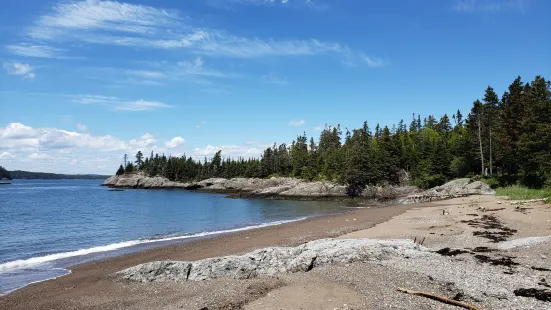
{"x":28,"y":175}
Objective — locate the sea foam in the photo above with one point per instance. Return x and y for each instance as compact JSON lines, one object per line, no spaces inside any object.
{"x":37,"y":261}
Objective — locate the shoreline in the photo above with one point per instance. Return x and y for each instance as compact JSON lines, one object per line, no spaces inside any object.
{"x":83,"y":277}
{"x":86,"y":255}
{"x":481,"y":250}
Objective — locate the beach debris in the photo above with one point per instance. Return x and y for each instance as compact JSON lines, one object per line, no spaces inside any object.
{"x":543,"y":282}
{"x":494,"y":228}
{"x":421,"y":241}
{"x":541,"y":269}
{"x":483,"y":249}
{"x":539,"y":294}
{"x":439,"y":298}
{"x":501,"y":261}
{"x":522,"y":202}
{"x":451,"y":252}
{"x":497,"y":209}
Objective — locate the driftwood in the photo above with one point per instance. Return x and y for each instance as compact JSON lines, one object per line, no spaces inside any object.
{"x":521,"y":202}
{"x":440,"y":298}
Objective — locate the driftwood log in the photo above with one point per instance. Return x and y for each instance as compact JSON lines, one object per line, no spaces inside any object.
{"x":440,"y":298}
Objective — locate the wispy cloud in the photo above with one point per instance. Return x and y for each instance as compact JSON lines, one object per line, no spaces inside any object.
{"x":21,"y":69}
{"x":318,"y":128}
{"x":141,"y":105}
{"x":197,"y":67}
{"x":40,"y":51}
{"x":119,"y":104}
{"x":489,"y":6}
{"x":82,"y":127}
{"x":273,"y":79}
{"x":132,"y":25}
{"x":103,"y":16}
{"x":297,"y":123}
{"x":312,"y":4}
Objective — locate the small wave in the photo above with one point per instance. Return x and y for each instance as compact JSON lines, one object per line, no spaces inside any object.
{"x":34,"y":261}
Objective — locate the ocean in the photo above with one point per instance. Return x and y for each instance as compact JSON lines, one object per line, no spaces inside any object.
{"x":47,"y":226}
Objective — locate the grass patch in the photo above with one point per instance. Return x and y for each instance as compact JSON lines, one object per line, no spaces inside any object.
{"x":516,"y":192}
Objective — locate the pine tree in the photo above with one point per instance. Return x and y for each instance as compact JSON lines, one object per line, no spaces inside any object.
{"x":120,"y":171}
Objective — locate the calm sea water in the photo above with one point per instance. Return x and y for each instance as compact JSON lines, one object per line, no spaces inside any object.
{"x":47,"y":226}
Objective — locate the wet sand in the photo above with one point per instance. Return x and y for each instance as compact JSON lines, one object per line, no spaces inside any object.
{"x":454,"y":224}
{"x":91,"y":285}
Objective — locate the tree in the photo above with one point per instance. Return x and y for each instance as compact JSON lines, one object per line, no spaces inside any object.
{"x":120,"y":171}
{"x":491,"y":101}
{"x":534,"y":143}
{"x":359,"y":171}
{"x":4,"y":174}
{"x":139,"y":160}
{"x":475,"y":124}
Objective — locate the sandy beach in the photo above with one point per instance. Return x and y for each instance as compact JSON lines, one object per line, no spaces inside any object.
{"x":470,"y":276}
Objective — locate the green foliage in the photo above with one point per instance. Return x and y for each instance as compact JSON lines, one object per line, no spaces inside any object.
{"x":517,"y":192}
{"x":492,"y":182}
{"x":507,"y":140}
{"x":28,"y":175}
{"x":4,"y":174}
{"x":120,"y":171}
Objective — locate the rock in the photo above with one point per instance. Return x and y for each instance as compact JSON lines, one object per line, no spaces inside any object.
{"x":283,"y":188}
{"x":140,"y":180}
{"x":452,"y":189}
{"x":273,"y":260}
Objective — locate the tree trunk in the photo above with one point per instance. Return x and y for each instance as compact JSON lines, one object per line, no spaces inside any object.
{"x":480,"y":143}
{"x":491,"y":169}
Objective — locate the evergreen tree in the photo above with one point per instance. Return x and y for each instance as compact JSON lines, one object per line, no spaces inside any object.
{"x":120,"y":171}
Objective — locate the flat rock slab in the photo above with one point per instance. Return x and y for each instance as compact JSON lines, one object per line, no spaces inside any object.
{"x":274,"y":260}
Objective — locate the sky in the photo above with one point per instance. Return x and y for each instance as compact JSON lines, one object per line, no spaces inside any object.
{"x":84,"y":82}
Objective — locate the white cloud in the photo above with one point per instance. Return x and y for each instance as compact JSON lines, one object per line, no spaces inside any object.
{"x":273,"y":79}
{"x":16,"y":68}
{"x":313,"y":4}
{"x":16,"y":137}
{"x":146,"y":141}
{"x":232,"y":151}
{"x":175,"y":142}
{"x":95,"y":99}
{"x":196,"y":67}
{"x":82,"y":127}
{"x":102,"y":15}
{"x":6,"y":155}
{"x":29,"y":50}
{"x":146,"y":74}
{"x":119,"y":104}
{"x":124,"y":24}
{"x":141,"y":105}
{"x":318,"y":128}
{"x":39,"y":156}
{"x":488,"y":6}
{"x":297,"y":123}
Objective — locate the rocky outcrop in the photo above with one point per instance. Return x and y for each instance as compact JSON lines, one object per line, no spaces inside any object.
{"x":276,"y":188}
{"x":274,"y":260}
{"x":452,"y":189}
{"x":291,"y":188}
{"x":138,"y":180}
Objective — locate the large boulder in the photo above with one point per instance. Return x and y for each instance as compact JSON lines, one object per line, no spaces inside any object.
{"x":140,"y":180}
{"x":452,"y":189}
{"x":273,"y":260}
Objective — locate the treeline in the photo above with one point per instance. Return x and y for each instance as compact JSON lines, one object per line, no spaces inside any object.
{"x":18,"y":174}
{"x":4,"y":174}
{"x":506,"y":139}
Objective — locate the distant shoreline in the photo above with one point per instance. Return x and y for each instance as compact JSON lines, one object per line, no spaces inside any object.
{"x":29,"y":175}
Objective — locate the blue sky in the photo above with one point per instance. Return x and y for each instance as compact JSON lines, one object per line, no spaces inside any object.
{"x":83,"y":82}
